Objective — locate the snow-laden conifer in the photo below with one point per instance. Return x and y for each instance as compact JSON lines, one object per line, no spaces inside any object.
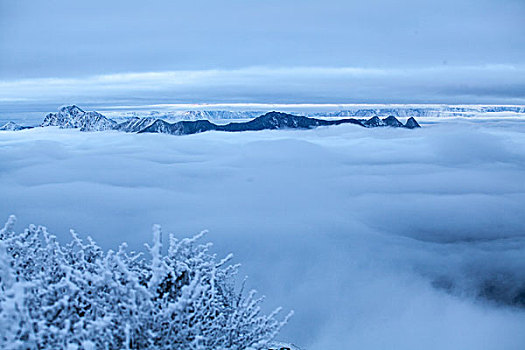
{"x":76,"y":296}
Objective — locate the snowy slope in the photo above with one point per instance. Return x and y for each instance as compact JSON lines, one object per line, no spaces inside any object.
{"x":135,"y":124}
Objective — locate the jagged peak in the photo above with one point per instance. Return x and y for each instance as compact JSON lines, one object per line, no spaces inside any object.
{"x":70,"y":108}
{"x":392,"y":121}
{"x":72,"y":116}
{"x":11,"y":126}
{"x":374,"y":121}
{"x":274,"y":114}
{"x":412,"y":123}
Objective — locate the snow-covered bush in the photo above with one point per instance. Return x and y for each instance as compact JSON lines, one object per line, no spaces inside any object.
{"x":76,"y":296}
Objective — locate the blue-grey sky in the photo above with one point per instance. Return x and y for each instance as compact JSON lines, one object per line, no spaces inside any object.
{"x":448,"y":51}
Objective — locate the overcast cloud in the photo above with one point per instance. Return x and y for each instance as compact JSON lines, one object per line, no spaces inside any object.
{"x":466,"y":84}
{"x":261,"y":51}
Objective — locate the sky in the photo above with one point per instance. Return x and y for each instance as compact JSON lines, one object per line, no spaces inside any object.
{"x":378,"y":51}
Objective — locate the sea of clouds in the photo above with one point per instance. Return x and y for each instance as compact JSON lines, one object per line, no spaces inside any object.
{"x":377,"y":238}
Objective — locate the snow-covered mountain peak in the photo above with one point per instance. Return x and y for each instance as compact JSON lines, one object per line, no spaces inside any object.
{"x":71,"y":109}
{"x":11,"y":126}
{"x":74,"y":117}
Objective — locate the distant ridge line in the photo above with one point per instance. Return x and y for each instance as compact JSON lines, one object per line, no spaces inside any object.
{"x":73,"y":117}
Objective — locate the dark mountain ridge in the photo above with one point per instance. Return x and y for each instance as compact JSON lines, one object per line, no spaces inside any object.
{"x":269,"y":121}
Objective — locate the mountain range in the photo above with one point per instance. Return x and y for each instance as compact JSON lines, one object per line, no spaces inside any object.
{"x":75,"y":117}
{"x":357,"y":111}
{"x":422,"y":111}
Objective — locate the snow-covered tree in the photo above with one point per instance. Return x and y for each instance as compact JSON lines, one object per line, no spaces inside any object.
{"x":76,"y":296}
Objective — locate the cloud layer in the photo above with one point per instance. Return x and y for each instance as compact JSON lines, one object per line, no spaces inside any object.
{"x":286,"y":51}
{"x":377,"y":238}
{"x":441,"y":84}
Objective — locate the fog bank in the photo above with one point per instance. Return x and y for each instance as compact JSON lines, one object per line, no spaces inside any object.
{"x":377,"y":238}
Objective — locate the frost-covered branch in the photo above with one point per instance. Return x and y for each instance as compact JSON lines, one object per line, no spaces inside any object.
{"x":77,"y":296}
